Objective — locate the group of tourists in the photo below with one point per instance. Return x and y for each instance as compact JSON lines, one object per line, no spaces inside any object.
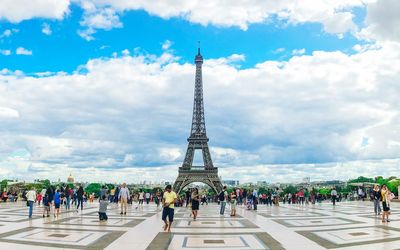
{"x":64,"y":197}
{"x":55,"y":197}
{"x":382,"y":195}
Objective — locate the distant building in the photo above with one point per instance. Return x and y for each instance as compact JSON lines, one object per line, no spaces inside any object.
{"x":306,"y":180}
{"x":230,"y":182}
{"x":70,"y":179}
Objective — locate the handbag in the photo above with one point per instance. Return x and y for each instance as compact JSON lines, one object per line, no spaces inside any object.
{"x":27,"y":203}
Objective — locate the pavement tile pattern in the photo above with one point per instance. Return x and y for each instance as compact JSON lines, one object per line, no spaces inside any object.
{"x":348,"y":225}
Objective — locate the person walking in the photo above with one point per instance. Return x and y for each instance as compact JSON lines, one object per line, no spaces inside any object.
{"x":31,"y":198}
{"x":147,"y":195}
{"x":195,"y":202}
{"x":168,"y":201}
{"x":46,"y":206}
{"x":141,"y":198}
{"x":79,"y":195}
{"x":123,"y":198}
{"x":334,"y":195}
{"x":68,"y":194}
{"x":57,"y":203}
{"x":39,"y":198}
{"x":222,"y":197}
{"x":255,"y":199}
{"x":157,"y":199}
{"x":233,"y":203}
{"x":376,"y":198}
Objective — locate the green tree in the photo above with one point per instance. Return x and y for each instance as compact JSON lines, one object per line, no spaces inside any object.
{"x":290,"y":189}
{"x":361,"y":179}
{"x":93,"y":188}
{"x":3,"y":185}
{"x":393,"y":186}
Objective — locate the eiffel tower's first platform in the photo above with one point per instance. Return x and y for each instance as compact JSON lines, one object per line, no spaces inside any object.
{"x":198,"y":140}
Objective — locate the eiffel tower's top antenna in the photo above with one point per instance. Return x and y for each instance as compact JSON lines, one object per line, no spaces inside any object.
{"x":198,"y":50}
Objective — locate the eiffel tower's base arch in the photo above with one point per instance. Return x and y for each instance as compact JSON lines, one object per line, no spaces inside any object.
{"x":184,"y":179}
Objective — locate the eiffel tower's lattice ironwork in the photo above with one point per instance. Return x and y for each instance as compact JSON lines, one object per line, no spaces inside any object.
{"x":198,"y":140}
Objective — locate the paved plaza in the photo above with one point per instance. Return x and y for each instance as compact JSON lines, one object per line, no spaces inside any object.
{"x":349,"y":225}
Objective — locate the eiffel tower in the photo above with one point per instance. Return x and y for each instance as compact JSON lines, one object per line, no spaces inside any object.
{"x":198,"y":140}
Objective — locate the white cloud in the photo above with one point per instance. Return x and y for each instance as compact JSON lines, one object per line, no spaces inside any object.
{"x":335,"y":16}
{"x":87,"y":34}
{"x":278,"y":50}
{"x":95,"y":18}
{"x":5,"y":52}
{"x":383,"y":21}
{"x":8,"y":32}
{"x":130,"y":116}
{"x":46,"y":29}
{"x":125,"y":52}
{"x":166,"y":45}
{"x":297,"y":52}
{"x":23,"y":51}
{"x":8,"y":113}
{"x":17,"y":11}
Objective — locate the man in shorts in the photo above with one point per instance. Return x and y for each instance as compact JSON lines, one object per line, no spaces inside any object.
{"x":168,"y":201}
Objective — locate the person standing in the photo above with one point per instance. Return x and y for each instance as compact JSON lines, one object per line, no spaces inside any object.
{"x":31,"y":198}
{"x":385,"y":194}
{"x":68,"y":193}
{"x":123,"y":198}
{"x":157,"y":199}
{"x":223,"y":196}
{"x":168,"y":201}
{"x":46,"y":206}
{"x":255,"y":199}
{"x":147,"y":195}
{"x":141,"y":197}
{"x":39,"y":198}
{"x":376,"y":198}
{"x":333,"y":195}
{"x":233,"y":203}
{"x":57,"y":203}
{"x":79,"y":196}
{"x":195,"y":202}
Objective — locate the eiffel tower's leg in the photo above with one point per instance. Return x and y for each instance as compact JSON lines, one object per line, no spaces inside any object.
{"x":207,"y":157}
{"x":187,"y":163}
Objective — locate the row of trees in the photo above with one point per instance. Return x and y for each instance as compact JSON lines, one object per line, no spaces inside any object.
{"x":392,"y":183}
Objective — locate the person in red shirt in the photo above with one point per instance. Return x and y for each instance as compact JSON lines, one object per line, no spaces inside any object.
{"x":39,"y":198}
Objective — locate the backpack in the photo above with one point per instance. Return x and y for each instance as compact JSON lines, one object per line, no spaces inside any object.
{"x":221,"y":196}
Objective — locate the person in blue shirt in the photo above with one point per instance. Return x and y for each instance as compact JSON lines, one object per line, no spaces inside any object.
{"x":57,"y":202}
{"x":46,"y":206}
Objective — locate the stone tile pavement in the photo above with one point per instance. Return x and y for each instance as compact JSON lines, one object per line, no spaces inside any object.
{"x":349,"y":225}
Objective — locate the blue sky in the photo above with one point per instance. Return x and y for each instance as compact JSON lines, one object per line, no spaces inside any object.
{"x":65,"y":50}
{"x":292,"y":89}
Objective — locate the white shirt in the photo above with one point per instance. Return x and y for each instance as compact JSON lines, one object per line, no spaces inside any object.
{"x":31,"y":195}
{"x":124,"y":193}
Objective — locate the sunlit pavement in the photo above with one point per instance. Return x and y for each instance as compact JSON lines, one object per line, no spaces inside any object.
{"x":348,"y":225}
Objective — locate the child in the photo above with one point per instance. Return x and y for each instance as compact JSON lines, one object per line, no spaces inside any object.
{"x":39,"y":198}
{"x":46,"y":206}
{"x":103,"y":209}
{"x":57,"y":203}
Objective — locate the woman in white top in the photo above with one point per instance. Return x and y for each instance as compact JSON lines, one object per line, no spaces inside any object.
{"x":31,"y":198}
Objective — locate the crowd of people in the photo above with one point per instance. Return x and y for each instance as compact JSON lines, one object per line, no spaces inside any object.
{"x":53,"y":199}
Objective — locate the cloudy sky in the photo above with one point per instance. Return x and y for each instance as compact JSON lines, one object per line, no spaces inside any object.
{"x":103,"y":89}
